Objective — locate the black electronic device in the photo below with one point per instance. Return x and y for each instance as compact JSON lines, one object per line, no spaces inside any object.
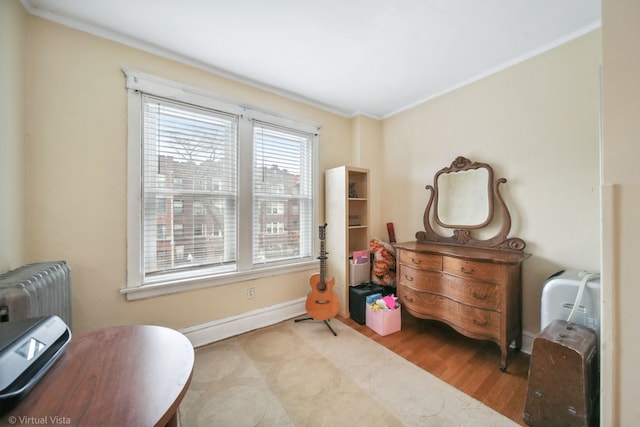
{"x":28,"y":349}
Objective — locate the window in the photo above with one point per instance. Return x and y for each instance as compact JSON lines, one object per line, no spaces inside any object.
{"x":274,"y":228}
{"x":178,"y":231}
{"x":177,"y":203}
{"x":161,"y":205}
{"x":162,"y":232}
{"x":198,"y":208}
{"x":275,"y":208}
{"x":218,"y":192}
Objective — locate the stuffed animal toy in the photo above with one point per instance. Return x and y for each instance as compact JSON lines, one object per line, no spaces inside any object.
{"x":383,"y":271}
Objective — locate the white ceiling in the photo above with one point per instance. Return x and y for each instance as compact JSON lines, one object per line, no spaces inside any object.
{"x":372,"y":57}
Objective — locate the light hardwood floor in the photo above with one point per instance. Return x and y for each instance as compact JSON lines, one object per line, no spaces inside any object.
{"x":471,"y":366}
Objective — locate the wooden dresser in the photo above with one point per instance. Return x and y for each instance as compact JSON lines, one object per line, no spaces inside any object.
{"x":475,"y":290}
{"x":464,"y":269}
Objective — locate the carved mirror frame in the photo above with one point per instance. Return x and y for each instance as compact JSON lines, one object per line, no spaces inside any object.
{"x":464,"y":188}
{"x":462,"y":233}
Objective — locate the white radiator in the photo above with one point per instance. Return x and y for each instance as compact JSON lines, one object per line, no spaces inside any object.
{"x":35,"y":290}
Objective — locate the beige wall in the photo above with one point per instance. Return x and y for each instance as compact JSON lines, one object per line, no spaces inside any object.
{"x":621,"y":210}
{"x":367,"y":146}
{"x":537,"y":124}
{"x":13,"y":19}
{"x":76,"y":177}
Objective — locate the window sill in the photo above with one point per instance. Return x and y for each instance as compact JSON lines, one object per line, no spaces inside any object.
{"x":189,"y":284}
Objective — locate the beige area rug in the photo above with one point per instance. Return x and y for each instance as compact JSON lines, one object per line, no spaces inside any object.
{"x":299,"y":374}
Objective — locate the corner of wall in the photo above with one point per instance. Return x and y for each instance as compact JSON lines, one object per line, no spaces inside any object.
{"x":12,"y":132}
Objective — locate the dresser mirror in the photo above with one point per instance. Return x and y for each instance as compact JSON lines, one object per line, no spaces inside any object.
{"x":462,"y":195}
{"x":463,"y":198}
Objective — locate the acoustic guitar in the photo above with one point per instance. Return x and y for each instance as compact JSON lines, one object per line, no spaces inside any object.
{"x":322,"y":302}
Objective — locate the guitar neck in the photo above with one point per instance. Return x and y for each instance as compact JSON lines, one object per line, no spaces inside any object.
{"x":322,"y":258}
{"x":323,"y":254}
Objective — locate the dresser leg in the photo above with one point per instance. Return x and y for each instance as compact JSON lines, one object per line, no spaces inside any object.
{"x":504,"y":351}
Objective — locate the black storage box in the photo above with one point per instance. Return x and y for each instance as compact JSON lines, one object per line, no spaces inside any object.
{"x":357,"y":299}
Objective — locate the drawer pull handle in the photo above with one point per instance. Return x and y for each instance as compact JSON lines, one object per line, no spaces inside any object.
{"x":416,"y":261}
{"x":467,"y":271}
{"x":406,"y":298}
{"x":478,"y":296}
{"x":480,"y":322}
{"x":408,"y":278}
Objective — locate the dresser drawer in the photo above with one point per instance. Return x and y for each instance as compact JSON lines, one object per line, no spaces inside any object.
{"x":422,"y":261}
{"x":419,"y":279}
{"x":466,"y":291}
{"x":473,"y":269}
{"x":476,"y":294}
{"x":471,"y":321}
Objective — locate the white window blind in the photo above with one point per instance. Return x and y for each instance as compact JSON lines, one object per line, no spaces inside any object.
{"x":189,"y":188}
{"x":282,"y":178}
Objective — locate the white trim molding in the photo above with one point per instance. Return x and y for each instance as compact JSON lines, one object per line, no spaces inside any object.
{"x":217,"y":330}
{"x":527,"y":342}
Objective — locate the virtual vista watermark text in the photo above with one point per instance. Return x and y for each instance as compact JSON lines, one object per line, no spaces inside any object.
{"x":48,"y":420}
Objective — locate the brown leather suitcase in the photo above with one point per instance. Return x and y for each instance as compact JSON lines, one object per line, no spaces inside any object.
{"x":563,"y":388}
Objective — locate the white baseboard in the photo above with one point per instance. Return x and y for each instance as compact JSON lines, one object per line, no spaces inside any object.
{"x":217,"y":330}
{"x":527,"y":342}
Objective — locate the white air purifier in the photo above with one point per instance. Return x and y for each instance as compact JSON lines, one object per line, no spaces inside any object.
{"x":559,"y":296}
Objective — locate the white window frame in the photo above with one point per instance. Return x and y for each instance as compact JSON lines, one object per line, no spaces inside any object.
{"x":137,"y":84}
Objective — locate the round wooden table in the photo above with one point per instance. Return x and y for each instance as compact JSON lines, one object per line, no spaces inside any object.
{"x":121,"y":376}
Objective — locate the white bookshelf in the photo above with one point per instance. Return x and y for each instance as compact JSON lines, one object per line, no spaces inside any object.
{"x":347,"y":217}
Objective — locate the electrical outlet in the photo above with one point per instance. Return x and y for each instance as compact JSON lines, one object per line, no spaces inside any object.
{"x":250,"y":293}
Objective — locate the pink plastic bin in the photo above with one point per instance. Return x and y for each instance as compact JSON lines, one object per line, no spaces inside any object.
{"x":383,"y":322}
